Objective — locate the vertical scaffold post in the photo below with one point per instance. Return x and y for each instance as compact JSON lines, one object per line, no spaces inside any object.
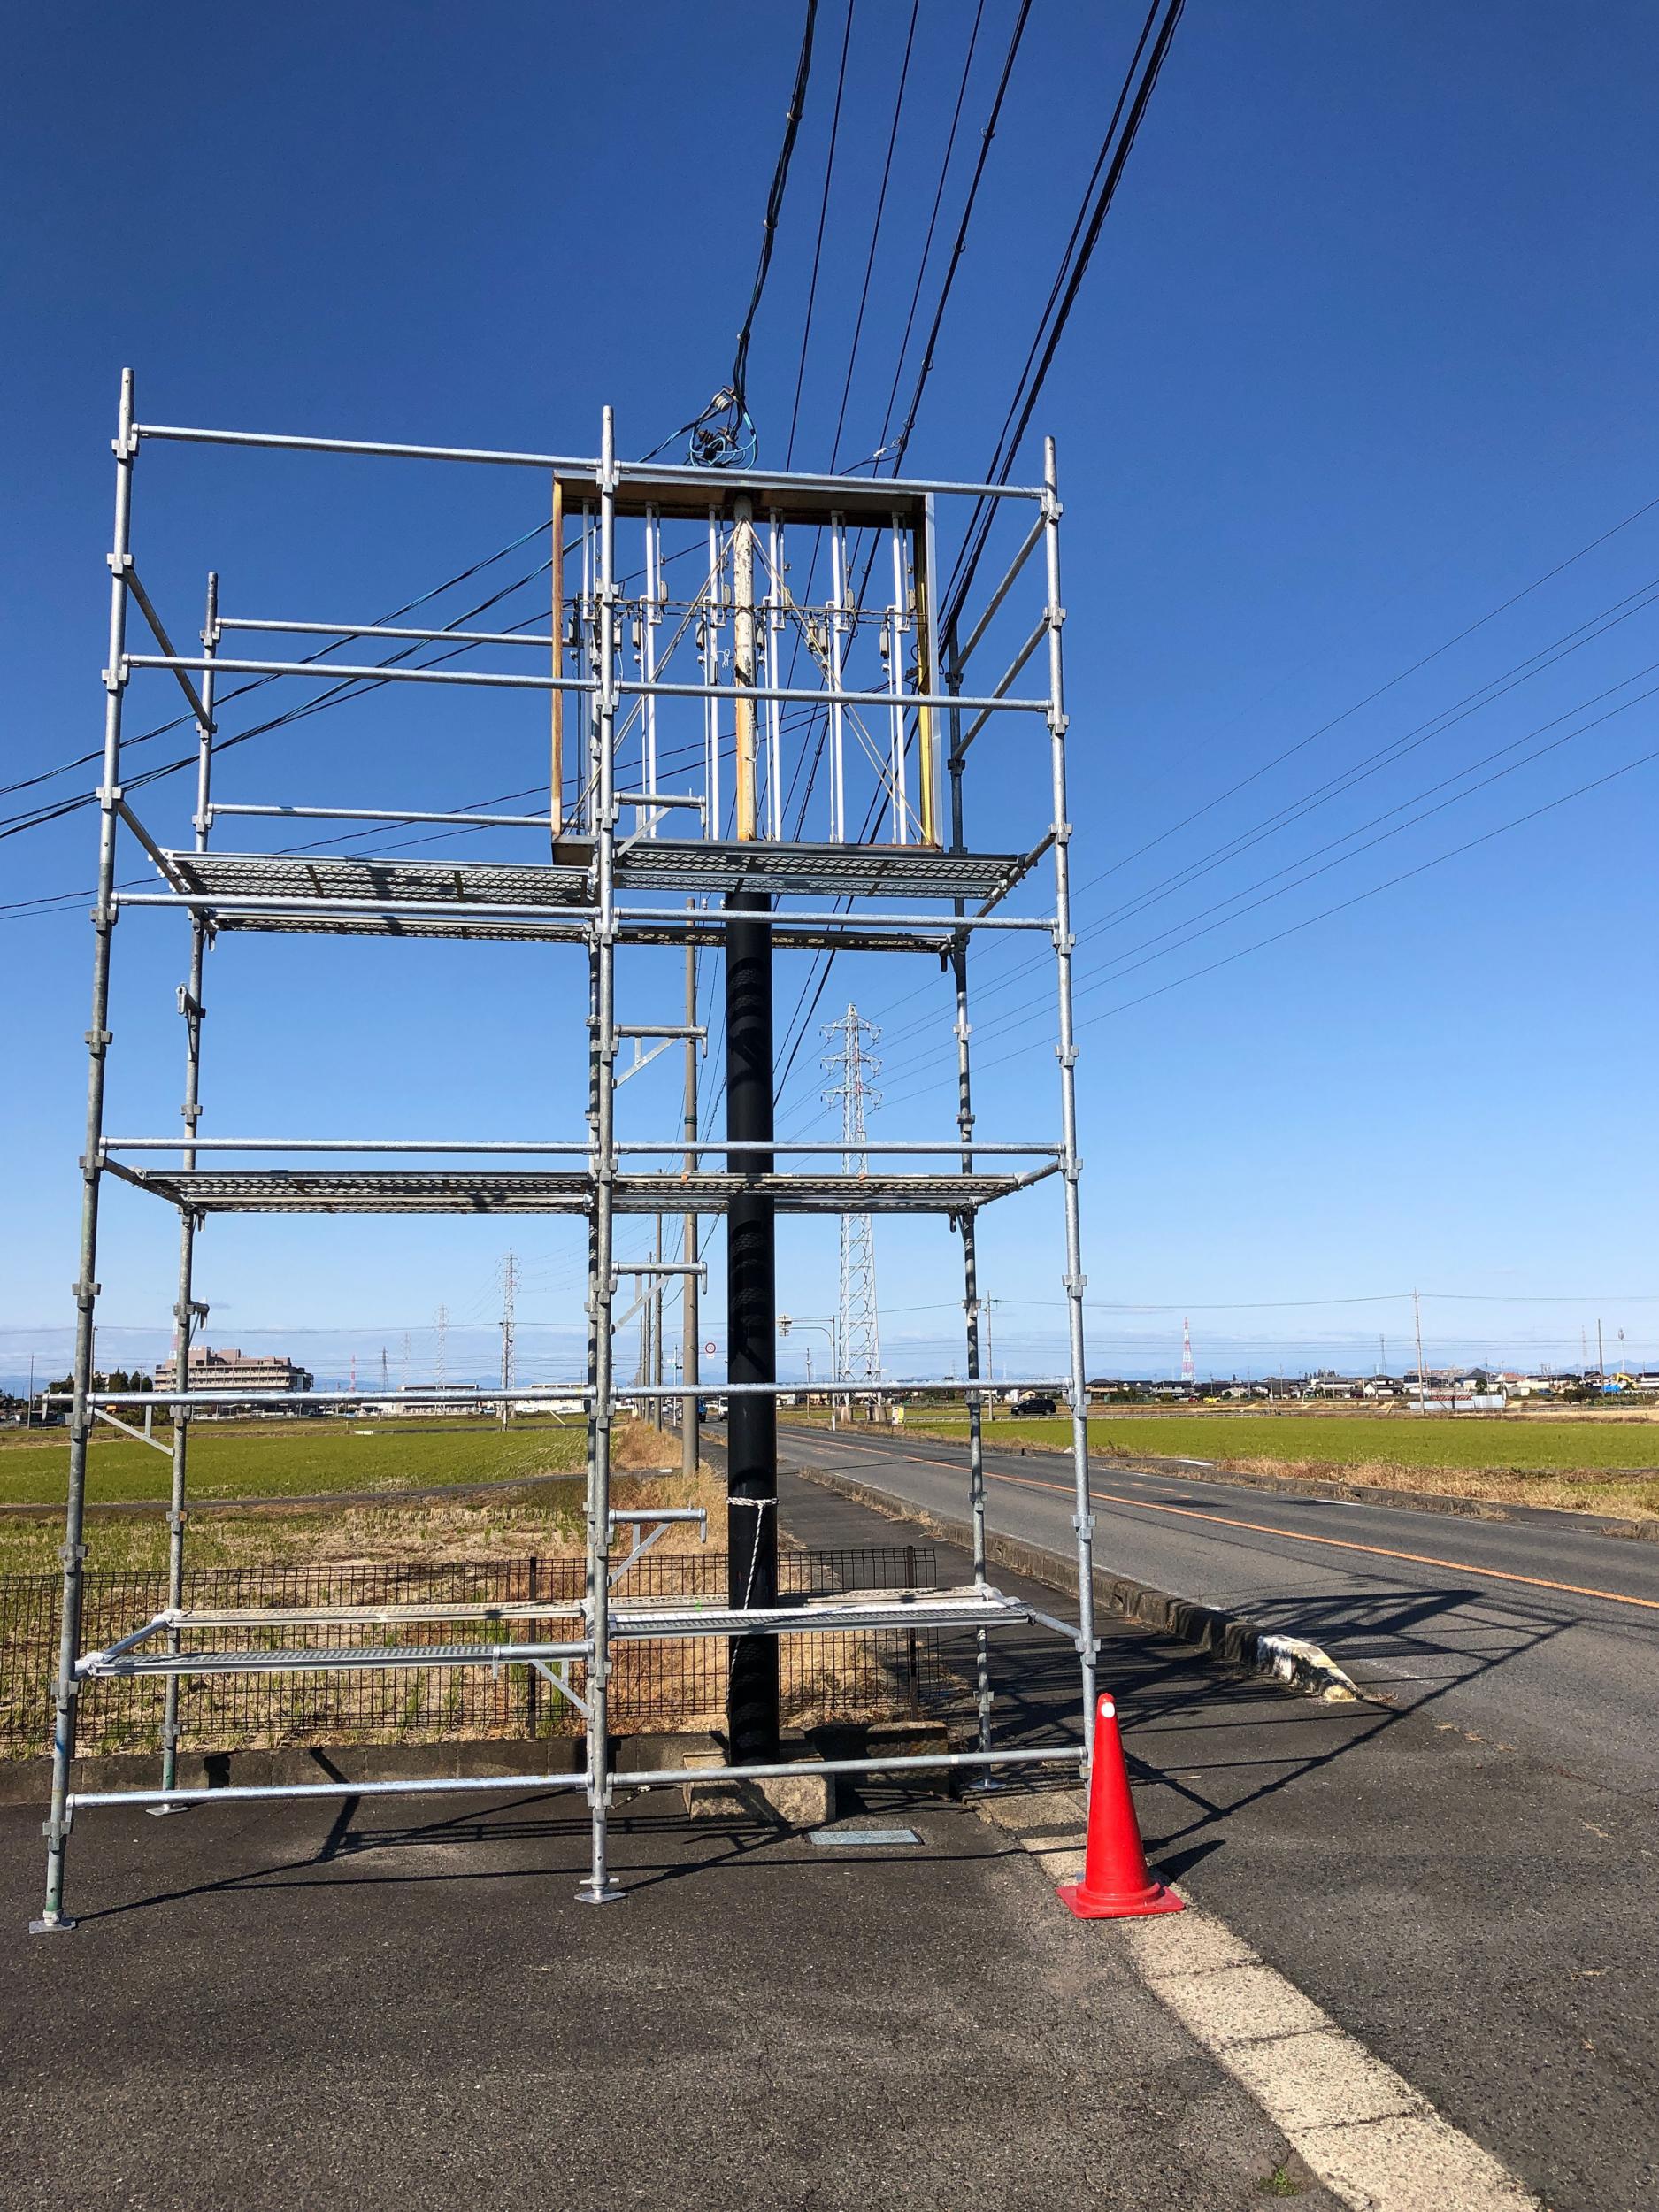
{"x":968,"y":1223}
{"x":690,"y":1438}
{"x":53,"y":1918}
{"x":186,"y":1313}
{"x":1082,"y":1518}
{"x":775,"y":625}
{"x":599,"y":1888}
{"x":838,"y":678}
{"x":555,"y":697}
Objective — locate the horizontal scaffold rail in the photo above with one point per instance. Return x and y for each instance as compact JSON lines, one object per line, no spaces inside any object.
{"x":535,"y":1394}
{"x":1071,"y":1755}
{"x":634,"y":1620}
{"x":491,"y":680}
{"x":706,"y":488}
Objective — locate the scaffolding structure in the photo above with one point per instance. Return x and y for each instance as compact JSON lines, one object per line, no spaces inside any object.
{"x":887,"y":709}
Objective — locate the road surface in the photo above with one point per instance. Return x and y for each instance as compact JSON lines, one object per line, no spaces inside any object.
{"x":1535,"y":1632}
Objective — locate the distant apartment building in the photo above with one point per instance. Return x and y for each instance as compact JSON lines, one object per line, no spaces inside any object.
{"x":208,"y":1368}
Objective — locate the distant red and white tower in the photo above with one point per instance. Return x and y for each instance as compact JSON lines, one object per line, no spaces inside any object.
{"x":1188,"y":1374}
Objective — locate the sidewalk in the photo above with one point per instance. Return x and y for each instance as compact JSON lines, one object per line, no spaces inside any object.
{"x":293,"y":2006}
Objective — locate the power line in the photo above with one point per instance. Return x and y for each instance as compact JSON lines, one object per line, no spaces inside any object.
{"x":1359,"y":706}
{"x":1434,"y":726}
{"x":775,"y":211}
{"x":817,"y":243}
{"x":238,"y":691}
{"x":897,"y":450}
{"x":975,"y":542}
{"x":875,"y":233}
{"x":1126,"y":964}
{"x":1519,"y":821}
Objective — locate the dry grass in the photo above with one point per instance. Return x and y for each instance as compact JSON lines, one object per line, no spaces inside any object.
{"x":667,"y":1685}
{"x":1633,"y":1497}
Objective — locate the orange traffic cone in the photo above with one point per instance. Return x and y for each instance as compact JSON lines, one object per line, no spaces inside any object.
{"x":1117,"y":1884}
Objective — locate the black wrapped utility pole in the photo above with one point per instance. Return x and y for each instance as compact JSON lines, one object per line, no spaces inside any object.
{"x":751,"y":1293}
{"x":752,"y":1307}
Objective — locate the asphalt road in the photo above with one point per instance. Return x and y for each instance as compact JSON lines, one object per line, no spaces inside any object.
{"x":319,"y":2008}
{"x":1466,"y":1876}
{"x":1465,"y":1618}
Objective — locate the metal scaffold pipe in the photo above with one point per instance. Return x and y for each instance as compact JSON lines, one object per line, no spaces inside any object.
{"x":599,"y":1888}
{"x":53,"y":1918}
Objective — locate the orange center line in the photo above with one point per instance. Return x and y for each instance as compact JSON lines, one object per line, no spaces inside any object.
{"x":1302,"y":1536}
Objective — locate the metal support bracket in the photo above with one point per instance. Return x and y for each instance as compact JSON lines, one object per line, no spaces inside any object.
{"x":662,"y":1517}
{"x":552,"y":1671}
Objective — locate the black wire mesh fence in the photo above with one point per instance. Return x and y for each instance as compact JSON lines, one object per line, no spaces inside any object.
{"x":655,"y":1685}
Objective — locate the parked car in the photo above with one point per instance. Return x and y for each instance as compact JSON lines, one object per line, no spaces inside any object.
{"x":1033,"y":1401}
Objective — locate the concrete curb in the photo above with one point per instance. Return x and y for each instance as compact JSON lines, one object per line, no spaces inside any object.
{"x":1227,"y":1637}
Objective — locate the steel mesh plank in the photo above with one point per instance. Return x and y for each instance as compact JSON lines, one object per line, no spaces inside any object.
{"x":859,"y":870}
{"x":527,"y":1191}
{"x":299,"y":876}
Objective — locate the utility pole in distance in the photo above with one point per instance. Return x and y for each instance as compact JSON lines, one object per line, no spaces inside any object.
{"x":751,"y":1295}
{"x":509,"y":1297}
{"x":1422,"y":1386}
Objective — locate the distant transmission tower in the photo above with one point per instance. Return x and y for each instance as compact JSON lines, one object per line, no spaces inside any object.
{"x":443,"y":1335}
{"x":508,"y":1295}
{"x":1187,"y":1373}
{"x":859,"y":1334}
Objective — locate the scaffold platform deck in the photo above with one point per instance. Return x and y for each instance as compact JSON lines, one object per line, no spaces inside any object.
{"x":558,"y":1191}
{"x":818,"y":870}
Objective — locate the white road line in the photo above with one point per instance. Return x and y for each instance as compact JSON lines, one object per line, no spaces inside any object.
{"x":1368,"y":2136}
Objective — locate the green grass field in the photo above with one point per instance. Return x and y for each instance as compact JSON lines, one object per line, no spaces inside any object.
{"x":291,"y":1460}
{"x":1526,"y":1444}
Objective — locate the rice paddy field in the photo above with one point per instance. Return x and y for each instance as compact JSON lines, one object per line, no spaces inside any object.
{"x":271,"y":1459}
{"x":1526,"y":1443}
{"x":283,"y":1467}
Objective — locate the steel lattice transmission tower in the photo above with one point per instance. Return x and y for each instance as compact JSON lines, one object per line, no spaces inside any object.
{"x":859,"y":1333}
{"x":509,"y":1273}
{"x":1189,"y":1372}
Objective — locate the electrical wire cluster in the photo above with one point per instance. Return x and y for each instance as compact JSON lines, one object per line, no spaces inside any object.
{"x":724,"y":435}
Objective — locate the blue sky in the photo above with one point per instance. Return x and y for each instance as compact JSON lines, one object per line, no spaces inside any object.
{"x":1365,"y":352}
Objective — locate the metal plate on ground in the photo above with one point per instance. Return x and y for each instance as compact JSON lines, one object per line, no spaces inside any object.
{"x":861,"y":1838}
